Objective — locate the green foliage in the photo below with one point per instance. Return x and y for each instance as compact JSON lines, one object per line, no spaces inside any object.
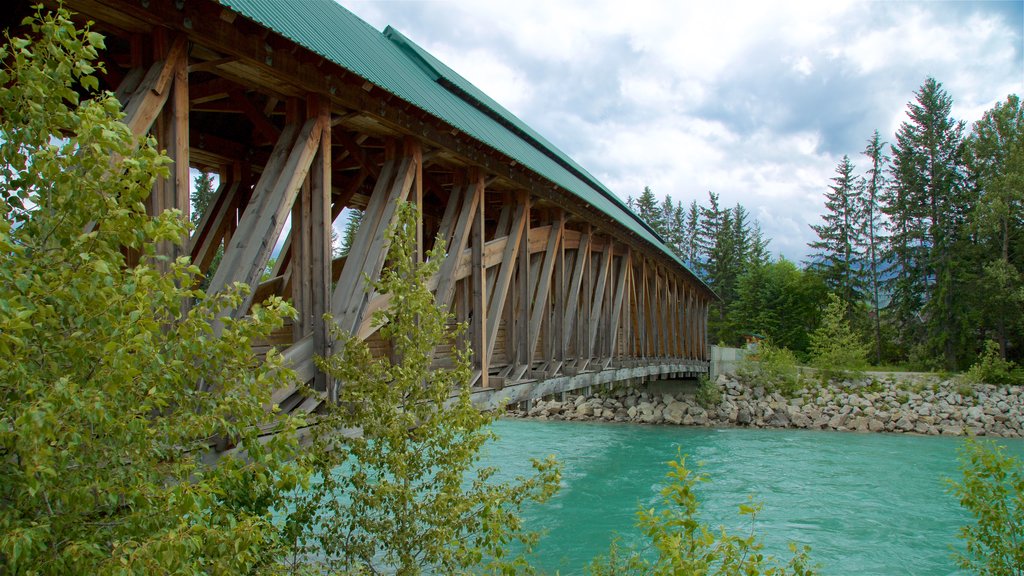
{"x":992,"y":368}
{"x":836,"y":350}
{"x":682,"y":544}
{"x":103,"y":429}
{"x":992,"y":490}
{"x":708,"y":394}
{"x":774,"y":368}
{"x":781,"y":301}
{"x":406,"y":495}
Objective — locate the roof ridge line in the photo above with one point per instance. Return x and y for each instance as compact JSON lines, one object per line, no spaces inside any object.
{"x":412,"y":51}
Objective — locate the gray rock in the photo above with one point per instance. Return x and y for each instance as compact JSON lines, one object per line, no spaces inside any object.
{"x":743,"y":415}
{"x":674,"y":412}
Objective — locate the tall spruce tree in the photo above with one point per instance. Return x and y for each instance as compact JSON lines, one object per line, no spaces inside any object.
{"x":202,"y":195}
{"x":995,"y":158}
{"x":871,"y":237}
{"x":692,"y":247}
{"x":927,"y":208}
{"x":837,"y":257}
{"x":649,"y":211}
{"x":355,"y":217}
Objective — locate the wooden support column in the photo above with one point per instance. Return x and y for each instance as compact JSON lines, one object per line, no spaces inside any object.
{"x":147,"y":101}
{"x":300,"y":247}
{"x":524,"y":355}
{"x":572,"y":299}
{"x":470,"y":197}
{"x":596,"y":312}
{"x":166,"y":112}
{"x":479,"y":281}
{"x":619,"y":296}
{"x":507,"y":267}
{"x":320,"y":245}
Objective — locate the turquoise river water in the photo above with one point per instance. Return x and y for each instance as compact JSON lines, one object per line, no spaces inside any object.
{"x":864,"y":503}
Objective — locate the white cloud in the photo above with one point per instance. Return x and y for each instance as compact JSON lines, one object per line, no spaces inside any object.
{"x":755,"y":101}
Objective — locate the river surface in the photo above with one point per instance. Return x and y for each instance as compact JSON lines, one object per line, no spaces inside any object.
{"x":864,"y":503}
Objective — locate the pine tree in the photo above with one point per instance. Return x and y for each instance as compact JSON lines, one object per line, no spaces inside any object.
{"x":995,"y":158}
{"x":869,"y":202}
{"x":202,"y":196}
{"x":647,"y":209}
{"x":691,"y":249}
{"x":928,"y":208}
{"x":837,"y":256}
{"x":351,"y":227}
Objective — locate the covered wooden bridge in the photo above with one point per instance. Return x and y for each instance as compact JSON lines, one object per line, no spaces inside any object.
{"x":305,"y":111}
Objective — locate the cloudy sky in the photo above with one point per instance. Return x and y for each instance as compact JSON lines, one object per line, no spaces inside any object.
{"x":756,"y":101}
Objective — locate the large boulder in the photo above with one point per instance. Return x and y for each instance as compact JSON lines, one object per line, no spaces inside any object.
{"x":674,"y":412}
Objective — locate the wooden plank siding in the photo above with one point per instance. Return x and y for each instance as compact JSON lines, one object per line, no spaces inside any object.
{"x":555,"y":292}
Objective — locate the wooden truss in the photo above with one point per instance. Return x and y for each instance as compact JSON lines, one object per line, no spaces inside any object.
{"x":555,"y":293}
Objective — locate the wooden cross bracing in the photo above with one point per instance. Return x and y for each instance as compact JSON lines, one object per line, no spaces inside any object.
{"x":556,"y":293}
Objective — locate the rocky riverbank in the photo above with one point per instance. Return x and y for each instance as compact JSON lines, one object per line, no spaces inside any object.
{"x":869,"y":405}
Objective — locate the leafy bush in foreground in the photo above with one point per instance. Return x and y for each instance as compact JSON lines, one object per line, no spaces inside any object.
{"x":992,"y":490}
{"x":103,"y":429}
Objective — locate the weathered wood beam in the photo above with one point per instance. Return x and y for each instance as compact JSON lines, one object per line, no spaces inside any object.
{"x":479,"y":283}
{"x":262,"y":222}
{"x":504,"y":276}
{"x":544,"y":282}
{"x":148,"y":99}
{"x":261,"y":123}
{"x":575,"y":284}
{"x":524,"y":297}
{"x":619,"y":294}
{"x":321,"y":249}
{"x":604,"y":269}
{"x":370,"y":246}
{"x":470,"y":197}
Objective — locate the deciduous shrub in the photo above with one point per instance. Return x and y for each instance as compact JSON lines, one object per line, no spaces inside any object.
{"x":992,"y":490}
{"x":837,"y":351}
{"x":992,"y":368}
{"x":103,"y":430}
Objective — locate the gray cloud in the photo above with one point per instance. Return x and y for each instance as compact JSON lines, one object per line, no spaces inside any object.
{"x":755,"y":101}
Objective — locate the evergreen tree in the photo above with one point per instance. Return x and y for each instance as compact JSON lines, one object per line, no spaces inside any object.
{"x":202,"y":196}
{"x":351,"y":227}
{"x":757,"y":253}
{"x":666,"y":224}
{"x":871,"y":239}
{"x":837,"y":256}
{"x":691,"y":249}
{"x":928,"y":208}
{"x":995,"y":158}
{"x":708,"y":231}
{"x":647,"y":209}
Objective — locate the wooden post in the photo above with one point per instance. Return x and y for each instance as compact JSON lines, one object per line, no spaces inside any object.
{"x":479,"y":280}
{"x":320,"y":245}
{"x":524,"y":356}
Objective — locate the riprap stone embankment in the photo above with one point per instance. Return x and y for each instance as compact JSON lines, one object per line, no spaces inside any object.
{"x":867,"y":405}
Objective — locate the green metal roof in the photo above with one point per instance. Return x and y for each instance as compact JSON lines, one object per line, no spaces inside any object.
{"x":399,"y":66}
